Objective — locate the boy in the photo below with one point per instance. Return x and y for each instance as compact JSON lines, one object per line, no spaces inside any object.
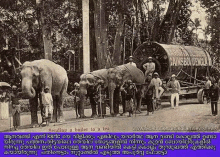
{"x":16,"y":107}
{"x":47,"y":102}
{"x":175,"y":90}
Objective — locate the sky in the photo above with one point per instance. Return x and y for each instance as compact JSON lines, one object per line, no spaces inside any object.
{"x":197,"y":12}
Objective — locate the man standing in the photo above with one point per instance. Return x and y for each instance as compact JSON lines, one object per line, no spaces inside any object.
{"x":208,"y":84}
{"x":149,"y":67}
{"x":214,"y":95}
{"x":75,"y":94}
{"x":47,"y":102}
{"x":157,"y":83}
{"x":16,"y":107}
{"x":131,"y":61}
{"x":128,"y":93}
{"x":101,"y":98}
{"x":175,"y":90}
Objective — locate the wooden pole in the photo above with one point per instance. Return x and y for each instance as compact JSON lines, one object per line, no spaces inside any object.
{"x":86,"y":42}
{"x":195,"y":76}
{"x":124,"y":50}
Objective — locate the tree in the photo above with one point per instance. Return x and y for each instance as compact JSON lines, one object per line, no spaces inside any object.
{"x":213,"y":19}
{"x":100,"y":24}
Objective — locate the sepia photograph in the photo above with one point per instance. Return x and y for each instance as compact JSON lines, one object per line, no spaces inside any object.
{"x":109,"y":66}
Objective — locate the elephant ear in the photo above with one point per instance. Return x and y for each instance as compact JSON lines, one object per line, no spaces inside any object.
{"x":36,"y":70}
{"x":25,"y":64}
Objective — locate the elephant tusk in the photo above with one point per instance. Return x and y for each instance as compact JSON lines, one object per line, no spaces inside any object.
{"x":33,"y":92}
{"x":18,"y":61}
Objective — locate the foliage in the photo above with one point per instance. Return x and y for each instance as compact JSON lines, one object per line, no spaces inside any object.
{"x":126,"y":23}
{"x":213,"y":18}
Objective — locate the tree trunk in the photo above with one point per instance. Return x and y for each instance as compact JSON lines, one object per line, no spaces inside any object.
{"x":117,"y":42}
{"x":143,"y":21}
{"x":46,"y":36}
{"x":173,"y":20}
{"x":47,"y":43}
{"x":100,"y":33}
{"x":138,"y":23}
{"x":155,"y":29}
{"x":164,"y":31}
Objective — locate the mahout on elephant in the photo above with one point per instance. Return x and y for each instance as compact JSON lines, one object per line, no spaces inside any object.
{"x":116,"y":78}
{"x":88,"y":88}
{"x":38,"y":74}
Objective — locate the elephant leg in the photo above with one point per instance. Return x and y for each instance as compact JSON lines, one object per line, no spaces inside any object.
{"x":139,"y":100}
{"x":60,"y":100}
{"x":42,"y":109}
{"x":138,"y":96}
{"x":54,"y":119}
{"x":33,"y":107}
{"x":111,"y":101}
{"x":78,"y":109}
{"x":116,"y":101}
{"x":81,"y":106}
{"x":93,"y":106}
{"x":123,"y":95}
{"x":60,"y":117}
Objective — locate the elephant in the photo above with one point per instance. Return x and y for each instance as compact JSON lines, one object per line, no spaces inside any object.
{"x":116,"y":77}
{"x":88,"y":83}
{"x":38,"y":74}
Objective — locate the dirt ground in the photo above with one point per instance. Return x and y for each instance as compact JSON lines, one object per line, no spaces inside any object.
{"x":189,"y":116}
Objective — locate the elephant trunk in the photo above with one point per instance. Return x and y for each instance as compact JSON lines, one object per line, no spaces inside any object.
{"x":27,"y":90}
{"x":111,"y":89}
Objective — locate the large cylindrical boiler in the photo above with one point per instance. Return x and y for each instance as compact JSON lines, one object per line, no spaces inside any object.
{"x":184,"y":61}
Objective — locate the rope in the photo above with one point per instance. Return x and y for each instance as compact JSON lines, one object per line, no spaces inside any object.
{"x":192,"y":77}
{"x":176,"y":75}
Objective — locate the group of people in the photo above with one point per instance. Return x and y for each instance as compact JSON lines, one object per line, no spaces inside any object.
{"x":153,"y":92}
{"x":156,"y":88}
{"x":47,"y":106}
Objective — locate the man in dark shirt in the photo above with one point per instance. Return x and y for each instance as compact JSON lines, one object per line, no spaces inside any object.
{"x":129,"y":89}
{"x":16,"y":107}
{"x":214,"y":95}
{"x":100,"y":98}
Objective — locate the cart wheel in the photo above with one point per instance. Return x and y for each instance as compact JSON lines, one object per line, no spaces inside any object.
{"x":200,"y":96}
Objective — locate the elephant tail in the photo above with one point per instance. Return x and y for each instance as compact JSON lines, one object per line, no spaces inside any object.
{"x":65,"y":85}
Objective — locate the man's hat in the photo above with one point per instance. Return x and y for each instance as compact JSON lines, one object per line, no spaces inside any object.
{"x":101,"y":81}
{"x":76,"y":84}
{"x":129,"y":81}
{"x":47,"y":87}
{"x":173,"y":75}
{"x":150,"y":58}
{"x":131,"y":57}
{"x":14,"y":87}
{"x":156,"y":74}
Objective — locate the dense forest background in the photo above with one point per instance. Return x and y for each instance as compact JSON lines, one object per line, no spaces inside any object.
{"x":34,"y":29}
